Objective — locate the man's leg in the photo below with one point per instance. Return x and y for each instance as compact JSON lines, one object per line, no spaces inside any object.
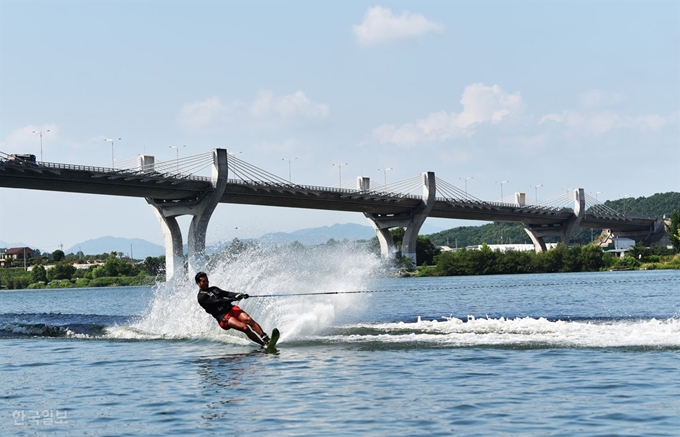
{"x":233,"y":322}
{"x":245,"y":318}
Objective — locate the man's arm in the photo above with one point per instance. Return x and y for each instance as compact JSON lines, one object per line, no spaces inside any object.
{"x":225,"y":295}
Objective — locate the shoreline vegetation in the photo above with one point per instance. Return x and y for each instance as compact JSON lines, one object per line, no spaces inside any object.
{"x":107,"y":270}
{"x":120,"y":271}
{"x":561,"y":259}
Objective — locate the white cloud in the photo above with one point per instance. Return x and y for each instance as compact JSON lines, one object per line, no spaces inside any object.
{"x":482,"y":104}
{"x":198,"y":115}
{"x":286,"y":107}
{"x":656,"y":122}
{"x":380,"y":26}
{"x":598,"y":123}
{"x":274,"y":110}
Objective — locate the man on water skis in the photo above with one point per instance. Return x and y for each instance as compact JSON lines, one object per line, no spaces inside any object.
{"x":218,"y":303}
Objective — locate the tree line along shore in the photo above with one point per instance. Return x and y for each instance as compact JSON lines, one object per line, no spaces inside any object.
{"x":120,"y":271}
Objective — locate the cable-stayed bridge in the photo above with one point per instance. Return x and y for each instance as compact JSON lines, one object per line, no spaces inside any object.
{"x":177,"y":187}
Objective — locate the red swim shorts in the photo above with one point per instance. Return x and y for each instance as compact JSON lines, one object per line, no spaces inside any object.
{"x":235,"y":312}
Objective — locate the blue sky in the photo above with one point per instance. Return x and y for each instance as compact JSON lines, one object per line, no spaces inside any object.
{"x":557,"y":94}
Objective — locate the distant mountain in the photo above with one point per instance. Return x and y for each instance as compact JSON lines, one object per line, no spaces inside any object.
{"x":10,"y":245}
{"x":312,"y":236}
{"x":140,"y":248}
{"x":349,"y":231}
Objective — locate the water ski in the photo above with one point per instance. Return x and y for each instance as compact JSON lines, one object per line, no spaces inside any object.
{"x":271,"y":347}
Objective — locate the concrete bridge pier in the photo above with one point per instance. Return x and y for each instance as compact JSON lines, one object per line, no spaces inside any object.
{"x":411,"y":221}
{"x":201,"y":208}
{"x":564,"y":230}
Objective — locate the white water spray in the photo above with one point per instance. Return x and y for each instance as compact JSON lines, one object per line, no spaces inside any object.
{"x":175,"y":313}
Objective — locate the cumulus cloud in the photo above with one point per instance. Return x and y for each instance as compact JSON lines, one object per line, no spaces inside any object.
{"x":267,"y":108}
{"x":482,"y":104}
{"x":286,"y":107}
{"x":380,"y":26}
{"x":202,"y":114}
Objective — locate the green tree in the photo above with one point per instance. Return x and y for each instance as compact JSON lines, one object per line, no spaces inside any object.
{"x":592,"y":258}
{"x":572,"y":259}
{"x":674,"y":230}
{"x":153,"y":266}
{"x":426,"y":251}
{"x":552,"y":260}
{"x":512,"y":262}
{"x":61,"y":271}
{"x":38,"y":274}
{"x":448,"y":264}
{"x":58,"y":256}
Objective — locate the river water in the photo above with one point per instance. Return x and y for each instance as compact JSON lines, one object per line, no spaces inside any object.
{"x":551,"y":354}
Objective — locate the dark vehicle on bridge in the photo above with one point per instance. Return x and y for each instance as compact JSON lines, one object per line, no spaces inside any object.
{"x":22,"y":158}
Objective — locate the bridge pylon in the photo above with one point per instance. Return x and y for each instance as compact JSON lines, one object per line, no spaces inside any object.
{"x":412,"y":221}
{"x":201,"y":208}
{"x":563,"y":230}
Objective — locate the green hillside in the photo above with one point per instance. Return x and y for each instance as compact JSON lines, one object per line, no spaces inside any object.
{"x":658,"y":205}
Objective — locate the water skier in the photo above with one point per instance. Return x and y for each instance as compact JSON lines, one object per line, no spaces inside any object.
{"x":219,"y":304}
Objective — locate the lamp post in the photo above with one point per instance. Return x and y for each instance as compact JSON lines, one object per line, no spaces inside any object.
{"x":177,"y":156}
{"x":502,"y":182}
{"x":385,"y":170}
{"x":340,"y":172}
{"x":290,"y":179}
{"x":536,"y":191}
{"x":596,"y":193}
{"x":111,"y":140}
{"x":40,"y":133}
{"x":466,"y":179}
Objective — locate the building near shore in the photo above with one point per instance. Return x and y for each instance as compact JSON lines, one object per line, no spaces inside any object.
{"x":500,"y":247}
{"x":15,"y":255}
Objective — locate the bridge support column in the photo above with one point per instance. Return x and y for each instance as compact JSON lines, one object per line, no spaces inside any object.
{"x":563,"y":231}
{"x":411,"y":221}
{"x":201,"y":208}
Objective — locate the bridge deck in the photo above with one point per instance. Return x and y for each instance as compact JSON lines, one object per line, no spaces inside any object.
{"x":174,"y":188}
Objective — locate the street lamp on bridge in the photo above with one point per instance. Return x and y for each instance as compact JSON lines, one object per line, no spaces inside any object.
{"x":385,"y":170}
{"x":177,"y":156}
{"x":111,"y":141}
{"x":40,"y":133}
{"x":502,"y":182}
{"x":536,"y":191}
{"x":466,"y":179}
{"x":596,"y":193}
{"x":289,"y":164}
{"x":340,"y":172}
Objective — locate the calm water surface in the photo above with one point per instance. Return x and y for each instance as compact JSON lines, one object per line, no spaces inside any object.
{"x":563,"y":354}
